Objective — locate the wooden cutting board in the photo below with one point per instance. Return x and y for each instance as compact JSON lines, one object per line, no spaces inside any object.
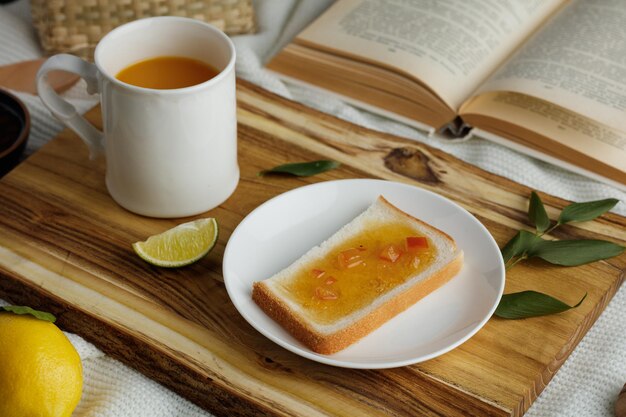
{"x":65,"y":247}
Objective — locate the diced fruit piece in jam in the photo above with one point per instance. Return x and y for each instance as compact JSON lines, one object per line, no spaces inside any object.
{"x":330,"y":280}
{"x":350,"y":258}
{"x":318,"y":273}
{"x":415,"y":262}
{"x":390,"y":253}
{"x":325,"y":294}
{"x":416,"y":243}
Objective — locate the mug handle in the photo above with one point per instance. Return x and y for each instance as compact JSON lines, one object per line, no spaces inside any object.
{"x":63,"y":110}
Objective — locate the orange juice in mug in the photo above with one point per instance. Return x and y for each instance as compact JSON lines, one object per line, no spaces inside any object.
{"x":167,"y":72}
{"x":167,"y":91}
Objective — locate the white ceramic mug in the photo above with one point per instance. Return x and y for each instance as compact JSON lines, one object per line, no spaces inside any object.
{"x":169,"y":153}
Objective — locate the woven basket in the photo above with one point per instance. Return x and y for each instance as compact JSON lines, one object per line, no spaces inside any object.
{"x":76,"y":26}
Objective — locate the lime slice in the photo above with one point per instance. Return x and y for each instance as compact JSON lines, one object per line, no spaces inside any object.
{"x":181,"y":245}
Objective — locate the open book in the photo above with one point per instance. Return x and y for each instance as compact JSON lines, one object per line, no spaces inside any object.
{"x":547,"y":77}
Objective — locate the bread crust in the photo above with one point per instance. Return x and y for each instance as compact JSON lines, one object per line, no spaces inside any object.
{"x":328,"y":343}
{"x":416,"y":220}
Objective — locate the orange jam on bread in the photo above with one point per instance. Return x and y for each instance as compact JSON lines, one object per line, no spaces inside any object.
{"x":360,"y":269}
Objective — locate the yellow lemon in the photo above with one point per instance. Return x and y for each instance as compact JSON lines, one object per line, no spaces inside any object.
{"x":40,"y":371}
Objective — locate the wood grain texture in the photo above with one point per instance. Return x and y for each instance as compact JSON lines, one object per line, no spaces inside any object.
{"x":65,"y":247}
{"x":620,"y":403}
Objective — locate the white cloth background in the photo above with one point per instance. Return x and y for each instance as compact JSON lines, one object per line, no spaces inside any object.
{"x":586,"y":385}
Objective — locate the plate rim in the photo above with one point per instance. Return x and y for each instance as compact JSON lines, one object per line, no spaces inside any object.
{"x":328,"y":359}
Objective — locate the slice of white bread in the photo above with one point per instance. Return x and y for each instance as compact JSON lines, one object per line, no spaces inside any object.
{"x":327,"y":338}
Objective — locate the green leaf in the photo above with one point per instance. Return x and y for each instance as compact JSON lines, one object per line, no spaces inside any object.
{"x":537,"y":213}
{"x":524,"y":304}
{"x":582,"y":212}
{"x":520,"y":244}
{"x":302,"y":169}
{"x":574,"y":252}
{"x":41,"y":315}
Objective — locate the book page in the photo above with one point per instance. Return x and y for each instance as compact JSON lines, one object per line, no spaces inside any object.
{"x":574,"y":131}
{"x":577,"y":61}
{"x":449,"y":45}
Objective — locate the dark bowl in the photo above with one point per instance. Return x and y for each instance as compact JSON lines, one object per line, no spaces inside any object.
{"x":14,"y":130}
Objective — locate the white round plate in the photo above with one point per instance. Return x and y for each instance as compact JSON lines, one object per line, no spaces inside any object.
{"x":282,"y":229}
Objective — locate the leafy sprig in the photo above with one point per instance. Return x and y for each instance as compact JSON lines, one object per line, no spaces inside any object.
{"x":24,"y":310}
{"x":531,"y":304}
{"x":525,"y":245}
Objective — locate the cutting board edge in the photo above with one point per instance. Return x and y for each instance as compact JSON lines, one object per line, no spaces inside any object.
{"x":544,"y":378}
